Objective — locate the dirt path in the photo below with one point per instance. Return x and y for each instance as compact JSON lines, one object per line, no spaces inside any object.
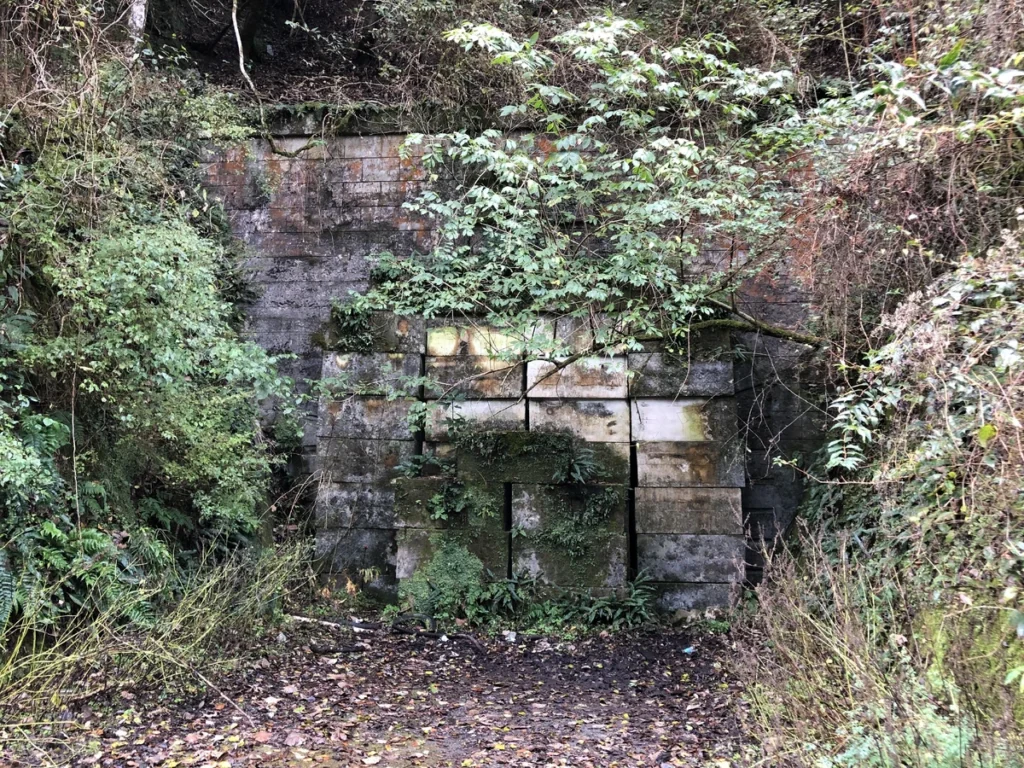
{"x":650,"y":699}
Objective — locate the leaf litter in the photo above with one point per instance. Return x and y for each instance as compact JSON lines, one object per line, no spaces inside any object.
{"x":654,"y":698}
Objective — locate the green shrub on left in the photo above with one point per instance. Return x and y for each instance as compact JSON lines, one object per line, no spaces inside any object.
{"x":130,"y":440}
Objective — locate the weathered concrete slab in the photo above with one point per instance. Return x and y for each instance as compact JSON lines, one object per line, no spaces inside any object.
{"x":675,"y":465}
{"x":682,"y":557}
{"x":420,"y":503}
{"x":397,"y":333}
{"x":695,"y":597}
{"x":474,"y":376}
{"x":537,"y":507}
{"x":346,"y":460}
{"x":540,"y":515}
{"x":657,"y":374}
{"x":580,"y":334}
{"x":684,"y":420}
{"x":352,"y":549}
{"x":594,"y":378}
{"x":354,"y":506}
{"x":514,"y":457}
{"x":689,"y":510}
{"x":596,"y":421}
{"x":416,"y":546}
{"x":377,"y":373}
{"x":605,"y":568}
{"x":472,"y":340}
{"x":493,"y":415}
{"x":371,"y":418}
{"x":612,"y":460}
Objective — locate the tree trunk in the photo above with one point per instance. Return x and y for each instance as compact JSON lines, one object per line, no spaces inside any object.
{"x":137,"y":19}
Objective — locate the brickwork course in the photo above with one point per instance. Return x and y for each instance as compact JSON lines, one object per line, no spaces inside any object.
{"x":688,"y":445}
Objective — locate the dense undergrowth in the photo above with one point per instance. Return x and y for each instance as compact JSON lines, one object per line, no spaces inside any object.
{"x":132,"y":460}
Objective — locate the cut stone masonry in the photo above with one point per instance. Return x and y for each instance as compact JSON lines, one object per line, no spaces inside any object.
{"x":686,"y":441}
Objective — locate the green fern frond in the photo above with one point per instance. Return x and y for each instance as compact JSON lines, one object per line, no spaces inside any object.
{"x":6,"y":589}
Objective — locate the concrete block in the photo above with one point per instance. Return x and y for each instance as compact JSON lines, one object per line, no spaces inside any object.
{"x":689,"y":510}
{"x":596,"y":421}
{"x":675,"y":465}
{"x":413,"y":502}
{"x":416,"y":501}
{"x":538,"y":511}
{"x":593,"y":378}
{"x":539,"y":506}
{"x":493,"y":458}
{"x":416,"y":546}
{"x":491,"y":415}
{"x":351,"y":549}
{"x":684,"y":420}
{"x":354,"y":506}
{"x":657,"y":374}
{"x":371,"y":418}
{"x":474,"y":376}
{"x":345,"y":460}
{"x":472,"y":340}
{"x":585,"y":334}
{"x":397,"y":333}
{"x":695,"y":597}
{"x":606,"y":568}
{"x":684,"y":557}
{"x":377,"y":373}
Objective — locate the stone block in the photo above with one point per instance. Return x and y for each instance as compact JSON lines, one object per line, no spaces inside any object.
{"x":695,"y":597}
{"x":657,"y":374}
{"x":472,"y":340}
{"x":689,"y":510}
{"x":493,"y":458}
{"x":539,"y":515}
{"x":371,"y":418}
{"x":684,"y":557}
{"x":490,"y":415}
{"x":675,"y":465}
{"x":397,"y":333}
{"x":688,"y":420}
{"x":352,"y":549}
{"x":538,"y":506}
{"x":596,"y":421}
{"x":591,"y":378}
{"x":345,"y":460}
{"x":539,"y":510}
{"x":354,"y":506}
{"x":377,"y":373}
{"x":473,"y":376}
{"x":416,"y":546}
{"x":417,"y":498}
{"x":584,"y":334}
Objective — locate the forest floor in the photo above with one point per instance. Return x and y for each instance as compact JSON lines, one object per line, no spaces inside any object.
{"x":321,"y":696}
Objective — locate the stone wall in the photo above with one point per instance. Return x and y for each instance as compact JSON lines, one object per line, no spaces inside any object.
{"x":686,"y":445}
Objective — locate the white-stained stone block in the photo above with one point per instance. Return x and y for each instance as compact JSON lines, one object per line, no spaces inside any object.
{"x":596,"y":421}
{"x":590,"y":378}
{"x":491,"y":415}
{"x":687,"y":420}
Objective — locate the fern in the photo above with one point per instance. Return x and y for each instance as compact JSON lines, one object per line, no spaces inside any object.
{"x":6,"y":590}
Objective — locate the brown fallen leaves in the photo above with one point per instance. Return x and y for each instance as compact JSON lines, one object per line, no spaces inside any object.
{"x":655,"y":699}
